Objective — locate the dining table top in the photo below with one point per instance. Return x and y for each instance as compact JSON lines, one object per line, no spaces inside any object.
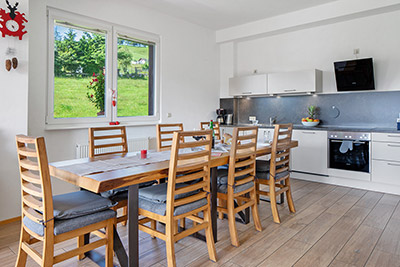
{"x":112,"y":179}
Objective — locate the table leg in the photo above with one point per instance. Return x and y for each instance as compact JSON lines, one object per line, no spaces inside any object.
{"x":214,"y":190}
{"x":133,"y":228}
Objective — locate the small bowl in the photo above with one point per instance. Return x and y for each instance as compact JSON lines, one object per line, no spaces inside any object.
{"x":310,"y":123}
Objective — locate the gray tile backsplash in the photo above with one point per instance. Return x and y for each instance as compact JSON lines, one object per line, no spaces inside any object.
{"x":376,"y":109}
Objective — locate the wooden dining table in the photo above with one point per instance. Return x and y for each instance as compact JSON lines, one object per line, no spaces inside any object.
{"x":132,"y":177}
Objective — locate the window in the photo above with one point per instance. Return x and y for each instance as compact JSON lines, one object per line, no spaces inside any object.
{"x":99,"y":72}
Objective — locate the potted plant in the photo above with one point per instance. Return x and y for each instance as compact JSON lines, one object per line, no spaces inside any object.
{"x":96,"y":92}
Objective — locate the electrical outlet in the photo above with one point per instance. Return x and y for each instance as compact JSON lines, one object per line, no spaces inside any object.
{"x":356,"y":51}
{"x":252,"y":118}
{"x":169,"y":115}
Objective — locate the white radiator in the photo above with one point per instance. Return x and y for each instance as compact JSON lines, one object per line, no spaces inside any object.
{"x":136,"y":144}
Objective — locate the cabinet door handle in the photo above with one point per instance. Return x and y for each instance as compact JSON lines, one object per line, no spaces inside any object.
{"x":393,"y":164}
{"x":246,"y":93}
{"x":393,"y":145}
{"x":289,"y":90}
{"x":392,"y":135}
{"x":308,"y":132}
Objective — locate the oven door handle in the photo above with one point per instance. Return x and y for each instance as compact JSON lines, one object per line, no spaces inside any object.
{"x":354,"y":142}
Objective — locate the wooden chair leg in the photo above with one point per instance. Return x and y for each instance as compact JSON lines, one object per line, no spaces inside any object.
{"x":254,"y":211}
{"x":289,"y":197}
{"x":257,"y":192}
{"x":153,"y":226}
{"x":48,"y":251}
{"x":22,"y":255}
{"x":81,"y":243}
{"x":110,"y":244}
{"x":124,"y":212}
{"x":212,"y":254}
{"x":222,"y":204}
{"x":232,"y":222}
{"x":170,"y":243}
{"x":272,"y":199}
{"x":182,"y":223}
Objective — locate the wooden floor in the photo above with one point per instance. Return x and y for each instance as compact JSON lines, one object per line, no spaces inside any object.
{"x":333,"y":226}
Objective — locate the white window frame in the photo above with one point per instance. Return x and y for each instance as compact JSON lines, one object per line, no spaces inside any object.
{"x":139,"y":36}
{"x":112,"y":33}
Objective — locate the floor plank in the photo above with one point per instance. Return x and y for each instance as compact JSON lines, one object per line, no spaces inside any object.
{"x":333,"y":226}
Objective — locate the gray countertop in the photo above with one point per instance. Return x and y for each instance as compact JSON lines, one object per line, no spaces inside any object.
{"x":329,"y":128}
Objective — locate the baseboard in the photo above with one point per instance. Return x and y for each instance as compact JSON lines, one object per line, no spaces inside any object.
{"x":11,"y":220}
{"x":366,"y":185}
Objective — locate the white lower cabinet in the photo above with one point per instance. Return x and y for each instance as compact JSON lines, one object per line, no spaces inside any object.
{"x":386,"y":158}
{"x":386,"y":172}
{"x":311,"y":155}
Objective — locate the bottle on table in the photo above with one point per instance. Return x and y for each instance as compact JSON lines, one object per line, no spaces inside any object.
{"x":213,"y":133}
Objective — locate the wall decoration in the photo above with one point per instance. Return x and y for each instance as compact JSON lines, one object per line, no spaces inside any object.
{"x":13,"y":22}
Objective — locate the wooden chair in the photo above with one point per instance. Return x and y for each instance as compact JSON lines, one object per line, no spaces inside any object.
{"x":164,"y":135}
{"x":185,"y":195}
{"x":238,"y":182}
{"x":41,"y":211}
{"x":278,"y":170}
{"x":206,"y":125}
{"x":108,"y":141}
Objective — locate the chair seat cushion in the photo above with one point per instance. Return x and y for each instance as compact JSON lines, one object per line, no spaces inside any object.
{"x":160,"y":207}
{"x":123,"y":190}
{"x":158,"y":193}
{"x":222,"y":183}
{"x":265,"y":175}
{"x":262,"y":165}
{"x":80,"y":203}
{"x":63,"y":226}
{"x":123,"y":194}
{"x":113,"y":192}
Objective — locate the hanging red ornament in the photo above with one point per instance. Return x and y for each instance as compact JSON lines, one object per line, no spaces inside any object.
{"x":12,"y":23}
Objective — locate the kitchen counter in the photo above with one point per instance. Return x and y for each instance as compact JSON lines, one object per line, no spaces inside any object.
{"x":328,"y":128}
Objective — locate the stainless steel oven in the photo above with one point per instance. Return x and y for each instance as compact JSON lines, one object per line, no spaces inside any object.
{"x":350,"y":154}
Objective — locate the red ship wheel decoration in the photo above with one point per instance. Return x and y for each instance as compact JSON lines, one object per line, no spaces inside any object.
{"x":12,"y":23}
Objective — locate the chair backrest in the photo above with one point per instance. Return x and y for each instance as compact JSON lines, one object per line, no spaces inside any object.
{"x":165,"y":133}
{"x":37,"y":198}
{"x":206,"y":125}
{"x":279,"y":157}
{"x":107,"y":140}
{"x":189,"y":169}
{"x":242,"y":159}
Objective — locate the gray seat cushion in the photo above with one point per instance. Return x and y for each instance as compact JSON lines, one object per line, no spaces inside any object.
{"x":265,"y":175}
{"x":123,"y":191}
{"x":262,"y":165}
{"x":158,"y":193}
{"x":154,"y":199}
{"x":63,"y":226}
{"x":160,"y":207}
{"x":80,"y":203}
{"x":222,"y":183}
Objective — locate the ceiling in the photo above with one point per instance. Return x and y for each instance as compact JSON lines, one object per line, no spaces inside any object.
{"x":219,"y":14}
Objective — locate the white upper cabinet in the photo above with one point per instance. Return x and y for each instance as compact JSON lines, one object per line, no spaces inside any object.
{"x":256,"y":84}
{"x":295,"y":82}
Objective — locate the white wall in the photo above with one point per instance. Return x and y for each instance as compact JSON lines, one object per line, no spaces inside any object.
{"x":318,"y":46}
{"x":189,"y":83}
{"x":13,"y":117}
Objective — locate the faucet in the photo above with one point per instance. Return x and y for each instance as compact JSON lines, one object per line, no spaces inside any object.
{"x":272,"y":120}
